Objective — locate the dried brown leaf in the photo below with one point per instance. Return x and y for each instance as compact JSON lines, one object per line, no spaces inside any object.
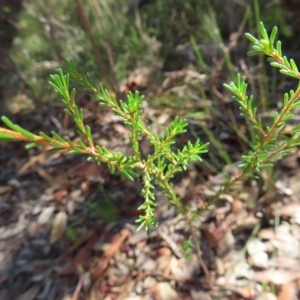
{"x":60,"y":195}
{"x":38,"y":159}
{"x":88,"y":170}
{"x":109,"y":253}
{"x":288,"y":292}
{"x":242,"y":292}
{"x":121,"y":129}
{"x":71,"y":207}
{"x":197,"y":294}
{"x":266,"y":296}
{"x":5,"y":189}
{"x":278,"y":277}
{"x":210,"y":238}
{"x":237,"y":206}
{"x":88,"y":236}
{"x":45,"y":215}
{"x":58,"y":227}
{"x":267,"y":233}
{"x":291,"y":210}
{"x":81,"y":259}
{"x":166,"y":292}
{"x":183,"y":269}
{"x":45,"y":175}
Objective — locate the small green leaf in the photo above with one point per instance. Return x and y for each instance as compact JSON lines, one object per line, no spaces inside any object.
{"x":71,"y":144}
{"x":286,"y":62}
{"x":263,"y":31}
{"x":278,"y":48}
{"x":45,"y":136}
{"x":251,"y":38}
{"x":75,"y":152}
{"x":89,"y":134}
{"x":294,"y":66}
{"x":55,"y":149}
{"x":273,"y":35}
{"x":68,"y":112}
{"x":6,"y":137}
{"x":31,"y":145}
{"x":57,"y":137}
{"x":8,"y":123}
{"x":25,"y":133}
{"x":141,"y":225}
{"x":79,"y":125}
{"x":277,"y":65}
{"x":82,"y":144}
{"x":252,"y":53}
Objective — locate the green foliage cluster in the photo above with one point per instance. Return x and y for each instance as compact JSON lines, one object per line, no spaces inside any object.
{"x":157,"y":169}
{"x":273,"y":141}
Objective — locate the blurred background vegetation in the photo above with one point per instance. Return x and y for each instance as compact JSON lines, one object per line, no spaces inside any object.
{"x":112,"y":38}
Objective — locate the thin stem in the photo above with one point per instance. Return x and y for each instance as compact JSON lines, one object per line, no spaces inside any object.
{"x":111,"y":79}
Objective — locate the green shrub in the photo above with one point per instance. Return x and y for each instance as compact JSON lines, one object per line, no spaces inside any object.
{"x":157,"y":169}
